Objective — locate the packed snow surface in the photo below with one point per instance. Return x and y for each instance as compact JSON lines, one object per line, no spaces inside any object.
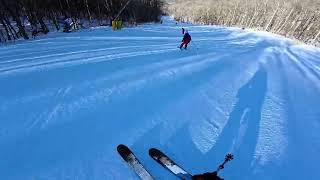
{"x":68,"y":100}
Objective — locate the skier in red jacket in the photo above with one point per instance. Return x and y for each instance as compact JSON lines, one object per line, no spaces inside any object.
{"x":186,"y":40}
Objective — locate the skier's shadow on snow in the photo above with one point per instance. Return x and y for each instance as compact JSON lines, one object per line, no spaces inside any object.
{"x":240,"y":134}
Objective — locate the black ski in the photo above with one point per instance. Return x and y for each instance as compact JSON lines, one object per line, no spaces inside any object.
{"x":169,"y":164}
{"x":133,"y":162}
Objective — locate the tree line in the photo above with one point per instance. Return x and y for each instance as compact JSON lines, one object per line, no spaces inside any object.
{"x":291,"y":18}
{"x":21,"y":18}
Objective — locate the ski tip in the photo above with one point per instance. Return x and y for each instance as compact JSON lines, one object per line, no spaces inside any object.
{"x":154,"y":152}
{"x":121,"y":146}
{"x":123,"y":149}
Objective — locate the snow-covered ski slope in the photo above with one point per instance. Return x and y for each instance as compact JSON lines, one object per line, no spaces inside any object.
{"x":68,"y":100}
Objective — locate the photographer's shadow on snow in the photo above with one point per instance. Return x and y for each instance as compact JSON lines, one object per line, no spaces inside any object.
{"x":240,"y":134}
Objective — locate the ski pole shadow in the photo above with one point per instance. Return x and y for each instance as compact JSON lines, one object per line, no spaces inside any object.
{"x":240,"y":134}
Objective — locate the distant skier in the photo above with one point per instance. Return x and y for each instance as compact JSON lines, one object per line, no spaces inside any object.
{"x":182,"y":30}
{"x":186,"y":40}
{"x":213,"y":175}
{"x":68,"y":25}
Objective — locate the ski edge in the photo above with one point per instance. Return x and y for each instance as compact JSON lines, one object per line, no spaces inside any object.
{"x":154,"y":152}
{"x":133,"y":162}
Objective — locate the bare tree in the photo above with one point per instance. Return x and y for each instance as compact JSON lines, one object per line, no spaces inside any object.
{"x":21,"y":17}
{"x":292,"y":18}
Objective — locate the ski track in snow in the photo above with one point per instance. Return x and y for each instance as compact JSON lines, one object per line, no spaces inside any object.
{"x":68,"y":100}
